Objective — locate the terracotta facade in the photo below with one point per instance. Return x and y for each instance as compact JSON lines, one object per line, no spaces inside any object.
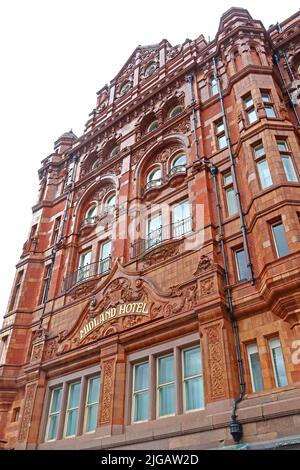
{"x":79,"y":307}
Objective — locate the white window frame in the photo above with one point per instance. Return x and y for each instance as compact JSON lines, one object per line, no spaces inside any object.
{"x":71,"y":409}
{"x":88,"y":405}
{"x":274,"y":238}
{"x":276,"y":340}
{"x":164,"y":385}
{"x":184,"y":379}
{"x":252,"y":348}
{"x":58,"y":387}
{"x":134,"y":393}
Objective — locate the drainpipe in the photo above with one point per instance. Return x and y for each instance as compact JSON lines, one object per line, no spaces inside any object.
{"x":236,"y":428}
{"x":276,"y":59}
{"x":189,"y":79}
{"x":235,"y":183}
{"x":56,"y":246}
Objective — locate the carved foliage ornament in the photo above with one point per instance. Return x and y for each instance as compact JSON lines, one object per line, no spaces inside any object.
{"x":27,"y":411}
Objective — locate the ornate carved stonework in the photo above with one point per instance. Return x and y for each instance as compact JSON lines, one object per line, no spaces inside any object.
{"x":204,"y":264}
{"x":37,"y":352}
{"x":27,"y":411}
{"x":108,"y":368}
{"x":207,"y":286}
{"x":161,"y":253}
{"x":216,"y":361}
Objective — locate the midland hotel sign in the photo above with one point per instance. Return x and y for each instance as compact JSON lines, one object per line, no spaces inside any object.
{"x":132,"y":308}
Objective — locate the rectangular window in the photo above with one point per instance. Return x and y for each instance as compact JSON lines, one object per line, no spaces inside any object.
{"x":141,"y":392}
{"x":264,"y":174}
{"x":104,"y":263}
{"x":3,"y":349}
{"x":16,"y":292}
{"x":45,"y":284}
{"x":289,"y":169}
{"x":230,"y":195}
{"x":154,"y":231}
{"x":92,"y":404}
{"x":72,"y":410}
{"x":279,"y":235}
{"x":56,"y":230}
{"x":241,"y":265}
{"x":269,"y":106}
{"x":255,"y":369}
{"x":250,"y":109}
{"x":278,"y":362}
{"x":282,"y":146}
{"x":84,"y":266}
{"x":181,"y":219}
{"x":193,"y":393}
{"x":259,"y":151}
{"x":165,"y":386}
{"x":54,"y":412}
{"x":220,"y":134}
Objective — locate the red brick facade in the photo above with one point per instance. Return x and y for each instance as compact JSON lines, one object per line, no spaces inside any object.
{"x":163,"y":288}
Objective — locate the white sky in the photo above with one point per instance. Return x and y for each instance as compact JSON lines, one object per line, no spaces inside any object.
{"x":55,"y":56}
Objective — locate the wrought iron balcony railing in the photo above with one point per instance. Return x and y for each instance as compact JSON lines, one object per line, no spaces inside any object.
{"x":86,"y":272}
{"x":160,"y":235}
{"x":177,"y":170}
{"x":153,"y":184}
{"x":88,"y":221}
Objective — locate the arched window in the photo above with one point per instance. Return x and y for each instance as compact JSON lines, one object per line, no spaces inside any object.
{"x":91,"y":213}
{"x":152,"y":126}
{"x":110,"y":203}
{"x":150,"y":69}
{"x":178,"y":164}
{"x":95,"y":164}
{"x":154,"y":178}
{"x":213,"y":86}
{"x":175,"y":111}
{"x":125,"y":88}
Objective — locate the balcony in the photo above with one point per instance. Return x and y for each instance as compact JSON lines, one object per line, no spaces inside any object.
{"x":86,"y":272}
{"x":88,"y":224}
{"x":177,"y":173}
{"x":163,"y":233}
{"x":151,"y":188}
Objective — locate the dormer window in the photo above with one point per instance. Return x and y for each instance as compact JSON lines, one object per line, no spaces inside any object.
{"x":152,"y":127}
{"x":175,"y":111}
{"x":150,"y":69}
{"x":125,"y":88}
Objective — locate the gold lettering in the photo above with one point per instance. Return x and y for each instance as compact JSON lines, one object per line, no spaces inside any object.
{"x":145,"y":308}
{"x":139,"y":307}
{"x":122,"y":309}
{"x":128,"y":308}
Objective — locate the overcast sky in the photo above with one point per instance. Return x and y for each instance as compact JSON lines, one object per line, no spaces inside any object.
{"x":55,"y":56}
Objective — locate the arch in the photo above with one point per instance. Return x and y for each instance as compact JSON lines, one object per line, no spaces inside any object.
{"x":172,"y":102}
{"x":106,"y":183}
{"x":110,"y":149}
{"x":179,"y":141}
{"x":146,"y":122}
{"x":254,"y":54}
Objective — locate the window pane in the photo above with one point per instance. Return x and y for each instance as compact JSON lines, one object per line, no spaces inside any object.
{"x":264,"y":174}
{"x":166,"y":400}
{"x":141,"y":406}
{"x":282,"y":146}
{"x":154,"y":223}
{"x":289,"y":168}
{"x":74,"y":395}
{"x":259,"y":151}
{"x":52,"y":427}
{"x":106,"y":250}
{"x":220,"y":127}
{"x":141,"y":376}
{"x":265,"y":97}
{"x":194,"y":397}
{"x":252,"y":116}
{"x":192,"y":362}
{"x":91,"y":419}
{"x":181,"y":211}
{"x":280,"y":240}
{"x":227,"y":179}
{"x":179,"y":161}
{"x":248,"y":101}
{"x":231,"y":202}
{"x":165,"y":369}
{"x":94,"y":386}
{"x":155,"y":175}
{"x":241,"y":265}
{"x":257,"y":380}
{"x":222,"y":141}
{"x":85,"y":259}
{"x":278,"y":363}
{"x":270,"y":111}
{"x":71,"y":422}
